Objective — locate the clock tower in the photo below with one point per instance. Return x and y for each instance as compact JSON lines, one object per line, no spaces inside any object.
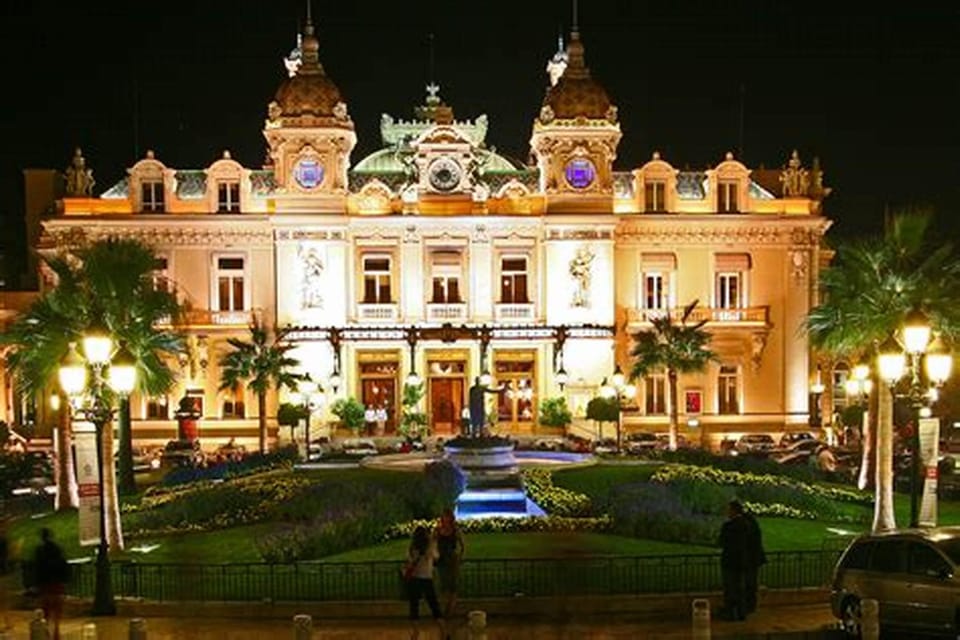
{"x":575,"y":138}
{"x":309,"y":134}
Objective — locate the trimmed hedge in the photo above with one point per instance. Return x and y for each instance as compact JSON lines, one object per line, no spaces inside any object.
{"x":551,"y":498}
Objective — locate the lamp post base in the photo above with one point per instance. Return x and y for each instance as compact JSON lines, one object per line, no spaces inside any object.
{"x":103,"y":602}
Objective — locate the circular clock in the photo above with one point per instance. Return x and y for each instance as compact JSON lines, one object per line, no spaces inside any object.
{"x":580,"y":173}
{"x":444,"y":174}
{"x":308,"y":172}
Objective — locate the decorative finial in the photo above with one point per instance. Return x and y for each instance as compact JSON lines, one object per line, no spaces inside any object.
{"x":431,"y":63}
{"x":309,"y":16}
{"x":150,"y":154}
{"x":729,"y":155}
{"x":226,"y":154}
{"x":309,"y":48}
{"x":656,"y":155}
{"x":432,"y":90}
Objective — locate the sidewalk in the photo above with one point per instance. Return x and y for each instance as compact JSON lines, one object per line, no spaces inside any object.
{"x":782,"y":623}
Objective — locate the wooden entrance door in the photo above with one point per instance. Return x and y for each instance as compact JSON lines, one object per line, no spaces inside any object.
{"x":446,"y":403}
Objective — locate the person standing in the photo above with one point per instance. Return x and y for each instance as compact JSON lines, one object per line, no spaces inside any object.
{"x":450,"y":550}
{"x":733,"y":563}
{"x":52,"y":574}
{"x":419,"y":574}
{"x":756,"y":557}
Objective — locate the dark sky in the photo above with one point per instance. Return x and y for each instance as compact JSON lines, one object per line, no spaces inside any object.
{"x":875,"y":94}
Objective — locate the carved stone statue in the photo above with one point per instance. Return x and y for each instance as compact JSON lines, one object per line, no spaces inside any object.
{"x":580,"y":271}
{"x":795,"y":179}
{"x":79,"y":178}
{"x":311,"y":285}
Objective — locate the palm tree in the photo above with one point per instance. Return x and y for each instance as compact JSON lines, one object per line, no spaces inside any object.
{"x":865,"y":296}
{"x":108,"y":282}
{"x":261,"y":363}
{"x":676,"y":347}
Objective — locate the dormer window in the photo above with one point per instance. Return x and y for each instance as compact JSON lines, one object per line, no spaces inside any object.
{"x":727,"y":196}
{"x":228,"y":197}
{"x":655,"y":196}
{"x":151,"y":196}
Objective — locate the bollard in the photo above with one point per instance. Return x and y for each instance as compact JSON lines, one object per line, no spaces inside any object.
{"x":701,"y":619}
{"x":38,"y":626}
{"x":477,"y":625}
{"x":88,"y":631}
{"x":869,"y":619}
{"x":138,"y":629}
{"x":302,"y":627}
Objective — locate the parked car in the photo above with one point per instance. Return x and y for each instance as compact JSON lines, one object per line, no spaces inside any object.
{"x":606,"y":445}
{"x":754,"y":443}
{"x":641,"y":442}
{"x":793,"y":437}
{"x":359,"y":447}
{"x":182,"y":453}
{"x":147,"y":458}
{"x":799,"y":451}
{"x":549,"y":444}
{"x":914,"y":574}
{"x":664,"y":438}
{"x":576,"y":444}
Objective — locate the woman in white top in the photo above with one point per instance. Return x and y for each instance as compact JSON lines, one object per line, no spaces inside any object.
{"x":420,"y":558}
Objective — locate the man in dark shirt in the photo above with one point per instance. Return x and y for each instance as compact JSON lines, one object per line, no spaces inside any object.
{"x":52,"y":574}
{"x":733,"y":563}
{"x":755,"y":558}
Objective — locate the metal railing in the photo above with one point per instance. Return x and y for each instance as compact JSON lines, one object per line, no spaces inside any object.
{"x":752,"y":316}
{"x":370,"y":581}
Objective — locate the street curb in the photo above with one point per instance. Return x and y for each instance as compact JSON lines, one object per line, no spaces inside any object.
{"x":652,"y":606}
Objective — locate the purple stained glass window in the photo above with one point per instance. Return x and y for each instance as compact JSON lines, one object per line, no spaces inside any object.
{"x":308,"y":173}
{"x":580,"y":173}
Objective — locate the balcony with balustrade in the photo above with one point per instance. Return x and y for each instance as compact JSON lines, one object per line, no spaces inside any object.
{"x":446,"y":312}
{"x":378,"y":312}
{"x":212,"y":319}
{"x":733,"y":318}
{"x":512,"y":312}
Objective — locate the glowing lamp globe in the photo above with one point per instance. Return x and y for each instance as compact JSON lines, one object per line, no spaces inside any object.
{"x":916,"y":332}
{"x":97,"y":346}
{"x":122,"y":375}
{"x":486,"y":379}
{"x":562,"y":377}
{"x":335,"y":380}
{"x":861,"y":372}
{"x":413,"y":379}
{"x":73,"y":372}
{"x":617,"y":379}
{"x":891,"y":362}
{"x":938,"y":366}
{"x":307,"y":388}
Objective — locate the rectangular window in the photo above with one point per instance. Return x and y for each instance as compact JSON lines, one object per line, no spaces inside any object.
{"x":727,"y":197}
{"x":729,"y":291}
{"x":654,"y":291}
{"x":161,"y":275}
{"x":376,"y":280}
{"x":157,"y":408}
{"x":654,"y":200}
{"x":233,"y":404}
{"x":513,"y":280}
{"x":654,"y":387}
{"x":151,"y":195}
{"x":445,"y":275}
{"x":230,"y":285}
{"x":727,"y":392}
{"x":228,"y":197}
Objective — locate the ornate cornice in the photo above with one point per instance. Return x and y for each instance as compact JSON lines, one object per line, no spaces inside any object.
{"x":215,"y":236}
{"x":310,"y":234}
{"x":807,"y":233}
{"x":579,"y":234}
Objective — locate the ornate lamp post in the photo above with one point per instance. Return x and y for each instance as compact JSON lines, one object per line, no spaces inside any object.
{"x":619,"y":389}
{"x":929,"y":367}
{"x":91,"y":401}
{"x":310,"y":396}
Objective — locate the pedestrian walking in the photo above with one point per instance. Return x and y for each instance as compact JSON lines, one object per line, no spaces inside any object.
{"x":419,"y":576}
{"x":450,"y":549}
{"x":756,"y":557}
{"x":52,"y":574}
{"x":733,"y":563}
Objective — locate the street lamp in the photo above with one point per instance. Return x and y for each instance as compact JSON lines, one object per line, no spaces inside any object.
{"x":309,"y":396}
{"x":90,"y":398}
{"x":921,"y":359}
{"x":619,"y":389}
{"x":561,"y":378}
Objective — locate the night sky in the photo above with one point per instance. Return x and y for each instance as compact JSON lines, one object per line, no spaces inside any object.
{"x":876,"y":95}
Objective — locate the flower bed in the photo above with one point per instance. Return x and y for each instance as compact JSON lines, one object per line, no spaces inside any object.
{"x":551,"y":498}
{"x":542,"y":524}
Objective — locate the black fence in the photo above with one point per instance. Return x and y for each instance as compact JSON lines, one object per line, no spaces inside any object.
{"x":364,"y":581}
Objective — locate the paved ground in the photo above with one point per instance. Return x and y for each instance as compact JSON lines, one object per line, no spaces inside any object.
{"x":784,"y":623}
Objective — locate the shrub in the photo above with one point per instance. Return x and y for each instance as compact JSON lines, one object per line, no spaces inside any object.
{"x":654,"y":511}
{"x":541,"y":524}
{"x":750,"y":464}
{"x":350,"y":411}
{"x":413,"y":421}
{"x":554,"y":412}
{"x":251,"y":463}
{"x":554,"y":500}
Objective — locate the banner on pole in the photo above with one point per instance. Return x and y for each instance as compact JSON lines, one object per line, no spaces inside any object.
{"x":929,"y":432}
{"x":88,"y":483}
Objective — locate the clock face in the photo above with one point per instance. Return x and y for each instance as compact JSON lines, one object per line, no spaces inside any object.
{"x":580,"y":173}
{"x":444,"y":174}
{"x":308,"y":173}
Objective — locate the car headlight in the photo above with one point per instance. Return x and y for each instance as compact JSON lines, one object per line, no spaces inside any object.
{"x":155,"y":463}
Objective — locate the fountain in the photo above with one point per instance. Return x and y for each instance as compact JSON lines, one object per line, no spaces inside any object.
{"x":494,"y":486}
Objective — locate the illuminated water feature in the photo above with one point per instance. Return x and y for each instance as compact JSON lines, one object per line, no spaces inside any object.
{"x":494,"y":483}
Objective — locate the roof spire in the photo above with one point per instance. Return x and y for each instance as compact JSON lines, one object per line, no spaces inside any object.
{"x":575,"y":27}
{"x":309,"y":47}
{"x":431,"y":63}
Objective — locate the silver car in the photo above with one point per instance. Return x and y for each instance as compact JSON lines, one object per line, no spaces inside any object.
{"x":912,"y":573}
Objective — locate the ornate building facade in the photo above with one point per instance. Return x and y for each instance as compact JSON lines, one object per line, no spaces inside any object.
{"x":438,"y":256}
